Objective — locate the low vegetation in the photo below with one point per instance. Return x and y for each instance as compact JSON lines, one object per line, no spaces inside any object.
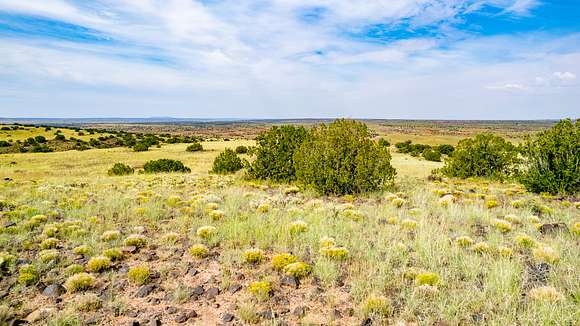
{"x":80,"y":246}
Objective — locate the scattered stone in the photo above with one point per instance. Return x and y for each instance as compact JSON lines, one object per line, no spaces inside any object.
{"x":198,"y":290}
{"x":129,"y":249}
{"x":37,"y":315}
{"x":22,"y":261}
{"x":300,"y":311}
{"x":234,"y":288}
{"x":553,"y":228}
{"x":132,"y":313}
{"x":171,"y":310}
{"x":192,"y":271}
{"x":181,"y":318}
{"x":17,"y":322}
{"x":54,"y":290}
{"x":267,"y":314}
{"x":367,"y":322}
{"x":227,"y":317}
{"x":336,"y":314}
{"x":192,"y":314}
{"x":134,"y":323}
{"x":211,"y":293}
{"x":145,"y":290}
{"x":290,"y":281}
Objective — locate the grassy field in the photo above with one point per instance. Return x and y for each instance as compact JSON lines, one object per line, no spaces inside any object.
{"x":27,"y":132}
{"x":202,"y":249}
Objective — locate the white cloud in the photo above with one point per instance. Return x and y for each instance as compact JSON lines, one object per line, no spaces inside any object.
{"x":248,"y":58}
{"x":564,"y":76}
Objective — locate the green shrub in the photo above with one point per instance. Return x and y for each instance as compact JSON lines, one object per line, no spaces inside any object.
{"x":241,"y":149}
{"x":260,"y":289}
{"x":27,"y":275}
{"x":165,"y":165}
{"x":227,"y":162}
{"x":552,"y":160}
{"x":120,"y":169}
{"x":141,"y":147}
{"x":139,"y":274}
{"x":194,"y":147}
{"x":99,"y":264}
{"x":79,"y":282}
{"x":384,"y":142}
{"x":60,"y":137}
{"x":40,"y":139}
{"x":432,"y":155}
{"x":342,"y":159}
{"x":274,"y":153}
{"x":486,"y":155}
{"x":446,"y":149}
{"x":4,"y":143}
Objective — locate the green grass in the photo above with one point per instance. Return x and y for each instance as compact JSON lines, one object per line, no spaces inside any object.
{"x":391,"y":272}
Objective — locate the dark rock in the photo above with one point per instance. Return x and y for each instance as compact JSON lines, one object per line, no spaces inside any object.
{"x":300,"y":311}
{"x":192,"y":314}
{"x":267,"y":314}
{"x":171,"y":310}
{"x":290,"y":281}
{"x":211,"y":293}
{"x":553,"y":228}
{"x":234,"y":288}
{"x":155,"y":301}
{"x":336,"y":314}
{"x":132,"y":313}
{"x":198,"y":290}
{"x":134,"y":323}
{"x":181,"y":318}
{"x":227,"y":317}
{"x":367,"y":322}
{"x":129,"y":249}
{"x":155,"y":322}
{"x":54,"y":290}
{"x":145,"y":290}
{"x":17,"y":322}
{"x":22,"y":261}
{"x":192,"y":271}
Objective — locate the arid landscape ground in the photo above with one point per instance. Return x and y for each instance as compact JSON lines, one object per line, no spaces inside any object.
{"x":78,"y":246}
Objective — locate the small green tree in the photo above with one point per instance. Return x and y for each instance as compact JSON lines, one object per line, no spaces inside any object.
{"x":141,"y":147}
{"x":274,"y":153}
{"x":552,"y":160}
{"x":341,"y":158}
{"x":241,"y":149}
{"x":194,"y":147}
{"x":227,"y":162}
{"x":432,"y":155}
{"x":165,"y":165}
{"x":486,"y":155}
{"x":120,"y":169}
{"x":384,"y":142}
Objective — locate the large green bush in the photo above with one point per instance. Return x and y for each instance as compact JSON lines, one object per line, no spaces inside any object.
{"x":432,"y":155}
{"x":552,"y":160}
{"x":165,"y":165}
{"x":274,"y":153}
{"x":120,"y":169}
{"x":141,"y":147}
{"x":194,"y":147}
{"x":485,"y":155}
{"x":227,"y":162}
{"x":341,"y":158}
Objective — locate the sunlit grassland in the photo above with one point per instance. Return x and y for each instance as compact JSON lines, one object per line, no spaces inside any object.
{"x":27,"y":132}
{"x":385,"y":242}
{"x":96,"y":162}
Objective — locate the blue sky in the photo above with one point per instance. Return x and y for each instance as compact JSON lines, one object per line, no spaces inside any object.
{"x":425,"y":59}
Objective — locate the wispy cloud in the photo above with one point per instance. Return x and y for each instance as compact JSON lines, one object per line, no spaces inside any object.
{"x":252,"y":58}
